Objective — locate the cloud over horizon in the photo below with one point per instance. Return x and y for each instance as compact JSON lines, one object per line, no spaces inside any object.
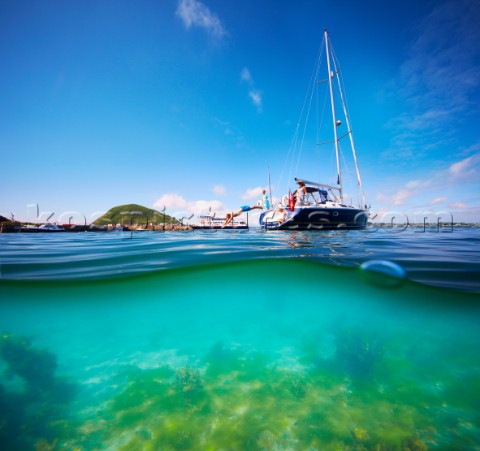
{"x":404,"y":193}
{"x":178,"y":205}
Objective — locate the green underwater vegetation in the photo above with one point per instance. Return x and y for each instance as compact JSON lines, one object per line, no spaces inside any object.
{"x":367,"y":394}
{"x":34,"y":407}
{"x":370,"y":392}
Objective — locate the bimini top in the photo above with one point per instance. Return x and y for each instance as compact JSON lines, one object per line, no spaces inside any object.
{"x":317,"y":185}
{"x":321,"y":188}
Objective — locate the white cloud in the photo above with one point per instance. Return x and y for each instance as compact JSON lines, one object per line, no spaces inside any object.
{"x":458,"y":206}
{"x":466,"y":168}
{"x":473,"y":149}
{"x":202,"y":206}
{"x":459,"y":167}
{"x":439,"y":78}
{"x":443,"y":68}
{"x":414,"y":184}
{"x":439,"y":200}
{"x":170,"y":201}
{"x":253,"y":193}
{"x":219,"y":190}
{"x":455,"y":186}
{"x":256,"y":97}
{"x":401,"y":196}
{"x":177,"y":205}
{"x":410,"y":189}
{"x":254,"y":93}
{"x":195,"y":14}
{"x":245,"y":75}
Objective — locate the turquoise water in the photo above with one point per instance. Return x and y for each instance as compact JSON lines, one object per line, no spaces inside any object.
{"x":244,"y":340}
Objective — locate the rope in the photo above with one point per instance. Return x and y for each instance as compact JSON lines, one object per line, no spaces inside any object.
{"x":294,"y":147}
{"x":313,"y":78}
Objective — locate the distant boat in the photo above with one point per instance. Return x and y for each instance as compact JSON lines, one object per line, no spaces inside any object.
{"x":323,"y":206}
{"x":209,"y":222}
{"x":48,"y":227}
{"x":74,"y":227}
{"x":44,"y":228}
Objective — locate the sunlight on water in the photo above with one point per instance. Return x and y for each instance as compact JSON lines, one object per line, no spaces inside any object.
{"x":261,"y":354}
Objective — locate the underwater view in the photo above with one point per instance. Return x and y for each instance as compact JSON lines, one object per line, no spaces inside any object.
{"x":240,"y":340}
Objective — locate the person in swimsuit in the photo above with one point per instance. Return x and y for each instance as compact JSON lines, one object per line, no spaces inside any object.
{"x":282,"y":215}
{"x":229,"y":216}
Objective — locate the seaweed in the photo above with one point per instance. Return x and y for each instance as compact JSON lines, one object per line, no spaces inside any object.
{"x":221,"y":360}
{"x":297,"y":387}
{"x":35,"y":415}
{"x":241,"y":400}
{"x":189,"y":384}
{"x":36,"y":366}
{"x":358,"y":351}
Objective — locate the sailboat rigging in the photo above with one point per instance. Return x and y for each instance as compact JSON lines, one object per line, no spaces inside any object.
{"x":323,"y":206}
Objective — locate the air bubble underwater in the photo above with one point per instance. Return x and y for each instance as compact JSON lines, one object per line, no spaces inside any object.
{"x":383,"y":273}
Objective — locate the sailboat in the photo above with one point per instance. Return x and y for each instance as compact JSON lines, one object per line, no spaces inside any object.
{"x":324,"y":206}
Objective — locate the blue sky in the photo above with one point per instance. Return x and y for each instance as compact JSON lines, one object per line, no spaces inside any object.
{"x":186,"y":104}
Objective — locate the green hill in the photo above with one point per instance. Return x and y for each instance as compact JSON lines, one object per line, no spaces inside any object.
{"x":133,"y":214}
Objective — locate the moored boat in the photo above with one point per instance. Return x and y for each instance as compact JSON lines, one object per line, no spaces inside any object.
{"x":210,"y":222}
{"x":43,"y":228}
{"x":323,"y":206}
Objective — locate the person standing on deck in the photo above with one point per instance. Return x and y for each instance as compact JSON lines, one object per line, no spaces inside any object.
{"x":300,"y":194}
{"x":265,"y":200}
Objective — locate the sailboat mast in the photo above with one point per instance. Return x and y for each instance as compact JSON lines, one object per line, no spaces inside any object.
{"x":337,"y":154}
{"x":352,"y":144}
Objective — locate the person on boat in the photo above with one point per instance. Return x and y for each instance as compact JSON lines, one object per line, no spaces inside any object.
{"x":282,"y":215}
{"x":265,"y":200}
{"x":300,"y":194}
{"x":229,"y":216}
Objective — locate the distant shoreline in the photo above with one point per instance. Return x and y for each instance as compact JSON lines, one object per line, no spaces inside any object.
{"x":28,"y":227}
